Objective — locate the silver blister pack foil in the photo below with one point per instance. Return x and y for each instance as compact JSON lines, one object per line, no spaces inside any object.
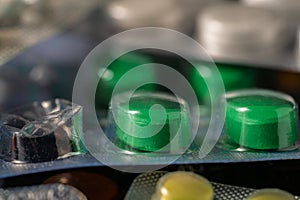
{"x":42,"y":192}
{"x":217,"y":155}
{"x":25,"y":33}
{"x":143,"y":187}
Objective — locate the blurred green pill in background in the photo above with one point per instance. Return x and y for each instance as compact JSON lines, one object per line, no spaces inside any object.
{"x":234,"y":77}
{"x":116,"y":70}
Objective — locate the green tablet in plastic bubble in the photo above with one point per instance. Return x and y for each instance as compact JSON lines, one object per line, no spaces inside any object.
{"x":261,"y":119}
{"x":110,"y":76}
{"x":150,"y":122}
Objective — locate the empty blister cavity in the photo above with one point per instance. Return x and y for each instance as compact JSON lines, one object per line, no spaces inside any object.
{"x":233,"y":31}
{"x":43,"y":131}
{"x":150,"y":122}
{"x":260,"y":120}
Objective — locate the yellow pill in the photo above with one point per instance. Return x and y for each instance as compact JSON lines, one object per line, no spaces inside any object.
{"x":183,"y":186}
{"x":271,"y":194}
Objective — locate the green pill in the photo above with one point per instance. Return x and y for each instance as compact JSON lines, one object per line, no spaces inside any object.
{"x":152,"y":122}
{"x":110,"y":76}
{"x":261,"y":119}
{"x":234,"y":77}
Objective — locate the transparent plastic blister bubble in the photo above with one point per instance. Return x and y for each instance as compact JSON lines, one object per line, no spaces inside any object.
{"x":43,"y":131}
{"x":149,"y":123}
{"x":42,"y":192}
{"x":260,"y":120}
{"x":144,"y":186}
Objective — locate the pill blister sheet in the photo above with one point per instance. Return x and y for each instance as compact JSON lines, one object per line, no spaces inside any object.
{"x":217,"y":155}
{"x":144,"y":185}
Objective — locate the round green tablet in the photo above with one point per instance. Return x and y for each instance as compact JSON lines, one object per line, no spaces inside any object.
{"x":234,"y":77}
{"x":161,"y":128}
{"x":113,"y":73}
{"x":261,"y":119}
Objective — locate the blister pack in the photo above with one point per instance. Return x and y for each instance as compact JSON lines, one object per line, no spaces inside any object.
{"x":123,"y":144}
{"x":144,"y":187}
